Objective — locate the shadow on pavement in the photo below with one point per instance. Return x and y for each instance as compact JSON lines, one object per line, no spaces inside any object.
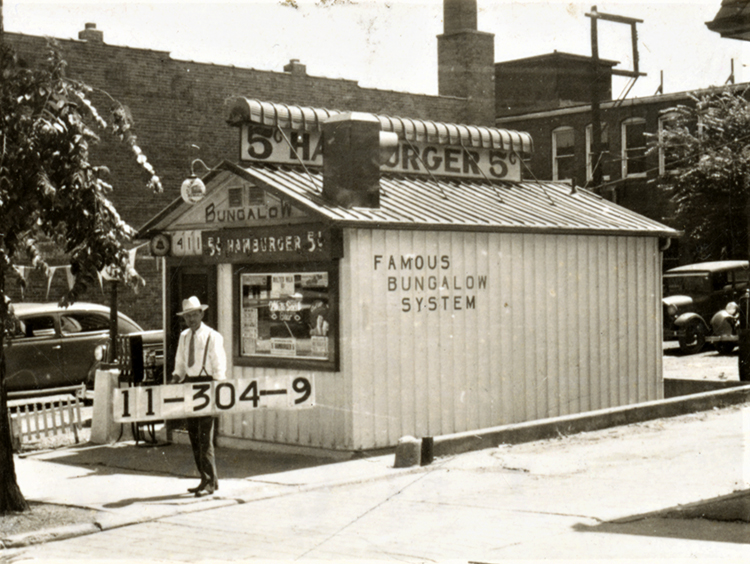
{"x":695,"y":529}
{"x":177,"y":460}
{"x":722,"y":519}
{"x":153,"y":499}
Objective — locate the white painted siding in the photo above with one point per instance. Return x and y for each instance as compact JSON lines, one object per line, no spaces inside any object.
{"x":565,"y":324}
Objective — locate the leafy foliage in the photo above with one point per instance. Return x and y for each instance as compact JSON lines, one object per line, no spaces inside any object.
{"x":49,"y":189}
{"x":51,"y":192}
{"x":707,"y":150}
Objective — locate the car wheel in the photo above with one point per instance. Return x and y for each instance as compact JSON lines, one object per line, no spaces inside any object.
{"x":693,"y":338}
{"x":725,"y":348}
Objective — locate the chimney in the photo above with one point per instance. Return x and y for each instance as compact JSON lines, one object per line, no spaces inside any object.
{"x":353,"y":149}
{"x":91,"y":34}
{"x":466,"y":61}
{"x":296,"y":68}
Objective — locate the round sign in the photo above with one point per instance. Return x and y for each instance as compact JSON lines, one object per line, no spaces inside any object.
{"x":160,"y":245}
{"x":193,"y":190}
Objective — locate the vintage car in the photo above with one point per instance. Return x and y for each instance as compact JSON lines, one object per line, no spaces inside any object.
{"x":700,"y":304}
{"x":51,"y":346}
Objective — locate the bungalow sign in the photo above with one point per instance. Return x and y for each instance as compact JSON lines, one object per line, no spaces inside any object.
{"x":286,"y":146}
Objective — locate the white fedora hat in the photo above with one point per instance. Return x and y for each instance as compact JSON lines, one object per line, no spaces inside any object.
{"x":192,"y":304}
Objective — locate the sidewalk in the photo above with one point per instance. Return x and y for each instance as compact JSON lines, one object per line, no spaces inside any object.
{"x":632,"y":491}
{"x":131,"y":483}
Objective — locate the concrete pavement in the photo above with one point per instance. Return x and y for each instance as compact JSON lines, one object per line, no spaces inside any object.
{"x":631,"y":491}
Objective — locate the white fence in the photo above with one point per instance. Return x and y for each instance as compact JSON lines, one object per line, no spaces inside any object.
{"x":46,"y":414}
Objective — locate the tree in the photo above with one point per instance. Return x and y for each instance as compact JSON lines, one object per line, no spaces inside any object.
{"x":51,"y":192}
{"x":706,"y":146}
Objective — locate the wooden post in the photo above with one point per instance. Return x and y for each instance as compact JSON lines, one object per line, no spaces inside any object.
{"x":112,"y":350}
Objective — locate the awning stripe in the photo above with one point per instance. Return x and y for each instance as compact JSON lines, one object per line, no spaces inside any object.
{"x":272,"y":114}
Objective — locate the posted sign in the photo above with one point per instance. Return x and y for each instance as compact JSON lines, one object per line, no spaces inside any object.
{"x":198,"y":399}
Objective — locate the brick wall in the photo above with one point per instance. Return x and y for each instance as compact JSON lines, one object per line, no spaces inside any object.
{"x":177,"y":105}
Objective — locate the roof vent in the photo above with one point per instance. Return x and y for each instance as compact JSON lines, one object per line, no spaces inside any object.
{"x":296,"y":68}
{"x":91,"y":34}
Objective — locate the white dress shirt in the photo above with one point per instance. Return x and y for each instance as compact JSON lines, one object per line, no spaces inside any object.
{"x":216,"y":359}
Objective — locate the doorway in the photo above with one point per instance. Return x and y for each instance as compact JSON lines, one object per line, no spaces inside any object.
{"x":184,"y":281}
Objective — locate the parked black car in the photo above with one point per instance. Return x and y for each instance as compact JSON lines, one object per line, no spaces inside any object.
{"x":52,"y":346}
{"x":700,"y":304}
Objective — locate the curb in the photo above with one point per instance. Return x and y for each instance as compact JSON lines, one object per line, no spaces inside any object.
{"x":48,"y":535}
{"x":541,"y":429}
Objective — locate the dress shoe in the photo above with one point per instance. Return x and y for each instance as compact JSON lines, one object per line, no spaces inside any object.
{"x":206,"y":490}
{"x":197,"y":488}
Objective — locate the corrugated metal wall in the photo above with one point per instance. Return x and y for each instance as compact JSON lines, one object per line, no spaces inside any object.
{"x":470,"y":330}
{"x":565,"y":324}
{"x":324,"y":426}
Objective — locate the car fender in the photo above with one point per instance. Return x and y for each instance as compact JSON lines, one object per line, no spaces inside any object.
{"x":686,"y":318}
{"x":677,"y":300}
{"x":723,"y":323}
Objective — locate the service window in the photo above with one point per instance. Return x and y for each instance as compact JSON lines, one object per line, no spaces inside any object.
{"x":287,"y":317}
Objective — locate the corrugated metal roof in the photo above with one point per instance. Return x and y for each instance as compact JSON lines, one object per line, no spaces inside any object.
{"x":271,"y":114}
{"x":732,"y":20}
{"x":416,"y":202}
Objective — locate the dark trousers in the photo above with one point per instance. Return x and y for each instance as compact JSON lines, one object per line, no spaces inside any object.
{"x":201,"y":432}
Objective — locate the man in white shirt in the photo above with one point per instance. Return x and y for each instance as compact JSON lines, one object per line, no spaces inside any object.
{"x":200,"y":357}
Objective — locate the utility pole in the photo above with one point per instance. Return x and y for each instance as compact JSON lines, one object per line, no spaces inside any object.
{"x":596,"y":122}
{"x":596,"y":125}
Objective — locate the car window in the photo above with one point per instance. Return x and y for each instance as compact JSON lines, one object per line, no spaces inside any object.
{"x":125,"y":326}
{"x":83,"y":322}
{"x":741,"y":278}
{"x":721,"y":281}
{"x":36,"y":326}
{"x":688,"y":284}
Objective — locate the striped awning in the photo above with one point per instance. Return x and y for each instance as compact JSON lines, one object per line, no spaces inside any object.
{"x":247,"y":110}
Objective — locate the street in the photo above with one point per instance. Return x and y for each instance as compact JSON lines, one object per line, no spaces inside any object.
{"x":706,"y":365}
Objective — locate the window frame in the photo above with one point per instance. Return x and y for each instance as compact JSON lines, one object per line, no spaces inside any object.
{"x":624,"y":145}
{"x":556,"y":157}
{"x":590,"y":149}
{"x":294,"y":363}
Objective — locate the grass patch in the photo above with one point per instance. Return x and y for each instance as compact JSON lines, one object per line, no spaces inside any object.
{"x":43,"y":516}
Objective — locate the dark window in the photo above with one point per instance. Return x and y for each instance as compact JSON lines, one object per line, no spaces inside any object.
{"x":563,"y":147}
{"x":234,"y":196}
{"x":634,"y":147}
{"x":603,"y":145}
{"x":255,"y":196}
{"x":687,"y":284}
{"x":37,"y":326}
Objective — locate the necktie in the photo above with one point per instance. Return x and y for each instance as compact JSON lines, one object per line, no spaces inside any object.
{"x":191,"y":349}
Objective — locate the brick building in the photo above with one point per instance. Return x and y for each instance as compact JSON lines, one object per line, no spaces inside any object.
{"x":179,"y":108}
{"x":558,"y":118}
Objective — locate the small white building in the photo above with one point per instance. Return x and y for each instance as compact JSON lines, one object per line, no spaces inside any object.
{"x":432,"y":293}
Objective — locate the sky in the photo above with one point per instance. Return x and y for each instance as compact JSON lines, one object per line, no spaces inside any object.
{"x":392,"y":45}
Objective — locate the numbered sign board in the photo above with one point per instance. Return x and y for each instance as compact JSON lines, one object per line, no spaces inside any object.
{"x":197,"y":399}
